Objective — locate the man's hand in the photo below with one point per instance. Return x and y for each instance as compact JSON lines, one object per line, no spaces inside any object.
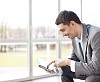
{"x":60,"y":62}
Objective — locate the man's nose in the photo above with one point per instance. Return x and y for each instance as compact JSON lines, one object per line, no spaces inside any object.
{"x":65,"y":35}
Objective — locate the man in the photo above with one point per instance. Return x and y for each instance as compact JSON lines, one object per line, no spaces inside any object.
{"x":85,"y":58}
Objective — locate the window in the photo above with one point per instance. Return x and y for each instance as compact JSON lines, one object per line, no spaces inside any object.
{"x":17,"y":52}
{"x":90,"y":12}
{"x":44,"y":35}
{"x":13,"y":39}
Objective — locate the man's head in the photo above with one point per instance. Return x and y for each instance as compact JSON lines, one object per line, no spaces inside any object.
{"x":69,"y":24}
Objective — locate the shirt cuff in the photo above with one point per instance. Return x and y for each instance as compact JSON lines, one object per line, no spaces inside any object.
{"x":72,"y":66}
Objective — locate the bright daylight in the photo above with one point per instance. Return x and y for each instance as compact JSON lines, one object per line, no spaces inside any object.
{"x":30,"y":36}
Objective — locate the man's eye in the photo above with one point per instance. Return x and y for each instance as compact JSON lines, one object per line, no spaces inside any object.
{"x":62,"y":30}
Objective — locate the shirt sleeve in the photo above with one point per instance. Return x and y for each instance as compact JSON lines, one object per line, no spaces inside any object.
{"x":72,"y":66}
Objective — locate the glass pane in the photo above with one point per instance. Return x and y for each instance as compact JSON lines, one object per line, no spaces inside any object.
{"x":71,"y":5}
{"x":43,"y":54}
{"x":13,"y":61}
{"x":13,"y":26}
{"x":66,"y":49}
{"x":13,"y":19}
{"x":43,"y":18}
{"x":90,"y":12}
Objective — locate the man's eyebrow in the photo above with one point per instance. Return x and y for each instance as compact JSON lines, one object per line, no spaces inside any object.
{"x":61,"y":29}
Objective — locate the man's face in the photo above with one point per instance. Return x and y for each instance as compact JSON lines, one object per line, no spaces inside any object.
{"x":67,"y":30}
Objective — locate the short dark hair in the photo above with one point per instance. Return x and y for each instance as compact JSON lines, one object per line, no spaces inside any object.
{"x":66,"y":16}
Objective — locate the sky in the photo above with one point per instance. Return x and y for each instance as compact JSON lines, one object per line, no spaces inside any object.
{"x":14,"y":13}
{"x":44,"y":12}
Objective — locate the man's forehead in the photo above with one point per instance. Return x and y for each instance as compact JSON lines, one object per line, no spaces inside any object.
{"x":61,"y":26}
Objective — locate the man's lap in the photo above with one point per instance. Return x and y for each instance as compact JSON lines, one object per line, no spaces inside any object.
{"x":66,"y":70}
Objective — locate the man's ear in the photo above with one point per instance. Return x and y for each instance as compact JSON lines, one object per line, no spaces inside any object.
{"x":72,"y":23}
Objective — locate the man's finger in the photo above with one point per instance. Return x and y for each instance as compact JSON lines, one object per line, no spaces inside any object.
{"x":50,"y":64}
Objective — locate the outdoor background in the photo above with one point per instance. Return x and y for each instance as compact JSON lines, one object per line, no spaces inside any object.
{"x":28,"y":34}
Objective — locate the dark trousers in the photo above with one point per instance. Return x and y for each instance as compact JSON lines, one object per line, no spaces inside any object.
{"x":68,"y":76}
